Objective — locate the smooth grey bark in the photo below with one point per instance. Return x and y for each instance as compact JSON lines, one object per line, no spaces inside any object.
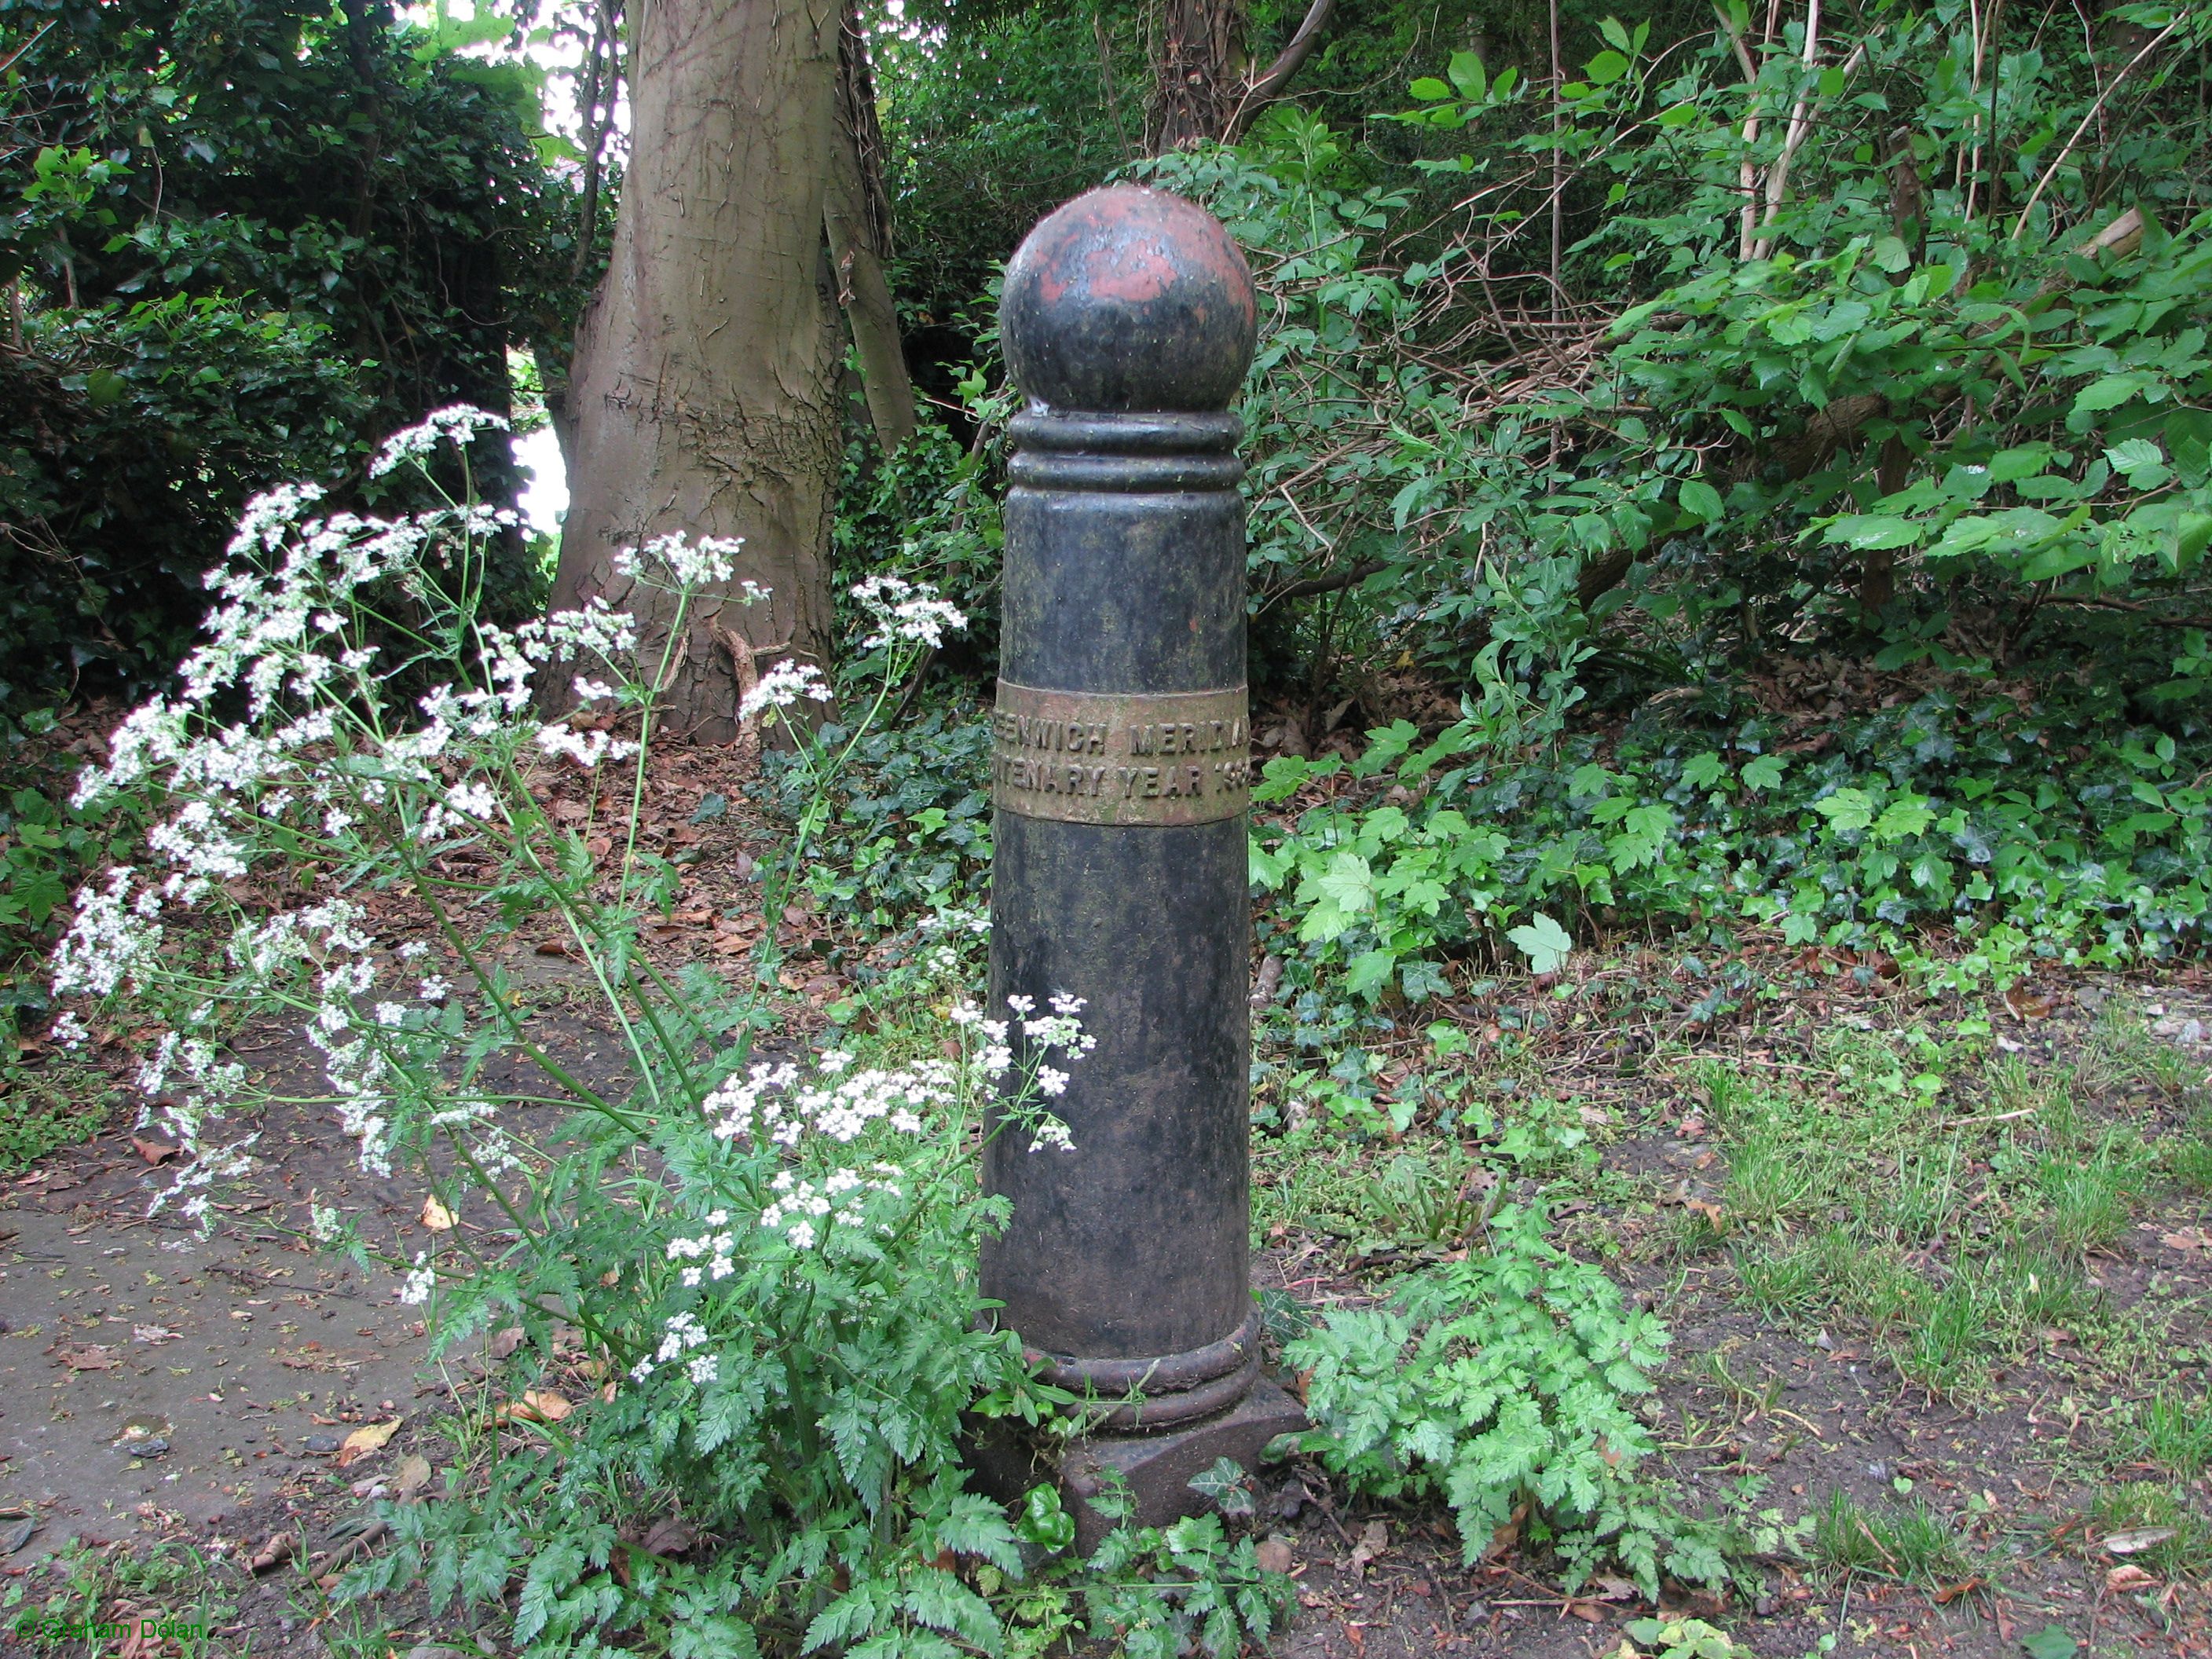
{"x":703,"y":391}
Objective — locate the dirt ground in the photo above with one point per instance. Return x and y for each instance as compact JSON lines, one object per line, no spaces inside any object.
{"x":157,"y":1386}
{"x":166,"y":1396}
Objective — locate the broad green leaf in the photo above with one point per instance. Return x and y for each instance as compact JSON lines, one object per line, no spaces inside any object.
{"x":1906,"y":816}
{"x":1764,"y":772}
{"x":1430,"y":90}
{"x":1846,"y":810}
{"x":1467,"y":74}
{"x":1369,"y":969}
{"x":1866,"y":531}
{"x":1704,"y":771}
{"x":1700,"y":499}
{"x":1605,"y":68}
{"x":1544,"y":942}
{"x":2110,"y":393}
{"x":2060,"y":560}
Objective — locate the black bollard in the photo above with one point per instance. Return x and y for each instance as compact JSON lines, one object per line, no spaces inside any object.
{"x":1120,"y":771}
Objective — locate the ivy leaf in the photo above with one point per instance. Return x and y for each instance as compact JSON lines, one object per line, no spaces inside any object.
{"x":1847,"y":810}
{"x":1545,"y":944}
{"x":1369,"y":969}
{"x":1226,"y":1485}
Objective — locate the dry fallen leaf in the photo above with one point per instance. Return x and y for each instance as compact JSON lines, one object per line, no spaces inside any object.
{"x":1274,"y":1556}
{"x":504,"y":1341}
{"x":413,"y":1475}
{"x":435,"y":1216}
{"x":153,"y":1151}
{"x":86,"y":1357}
{"x":367,"y":1439}
{"x":671,"y":1535}
{"x":536,"y":1406}
{"x":152,"y":1333}
{"x":2025,"y":1006}
{"x":1507,"y":1533}
{"x":1374,"y":1539}
{"x":2137,"y":1540}
{"x":2128,"y":1577}
{"x":545,"y":1404}
{"x":2188,"y":1239}
{"x":281,"y":1547}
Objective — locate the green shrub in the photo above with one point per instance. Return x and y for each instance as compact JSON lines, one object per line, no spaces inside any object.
{"x":762,"y":1270}
{"x":1505,"y":1383}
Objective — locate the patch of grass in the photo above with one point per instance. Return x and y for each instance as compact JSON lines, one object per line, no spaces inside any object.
{"x":1769,"y":1180}
{"x":1908,"y":1543}
{"x":1925,"y":1203}
{"x":2120,"y":1050}
{"x":2088,"y":1200}
{"x":2186,"y":1154}
{"x":2033,"y":1285}
{"x":2141,"y":1505}
{"x":1944,"y":1340}
{"x":1308,"y":1179}
{"x":2172,"y":1433}
{"x":111,"y":1586}
{"x":2173,"y":1073}
{"x":1423,"y":1197}
{"x":59,"y":1101}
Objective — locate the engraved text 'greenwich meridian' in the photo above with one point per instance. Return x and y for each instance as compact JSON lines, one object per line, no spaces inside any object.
{"x":1128,"y":757}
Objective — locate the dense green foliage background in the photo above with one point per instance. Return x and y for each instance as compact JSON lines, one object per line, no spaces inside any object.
{"x":1589,"y":417}
{"x":246,"y":236}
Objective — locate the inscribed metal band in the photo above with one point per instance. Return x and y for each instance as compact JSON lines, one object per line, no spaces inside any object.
{"x":1131,"y":757}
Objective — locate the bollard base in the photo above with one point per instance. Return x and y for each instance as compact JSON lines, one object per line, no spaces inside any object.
{"x":1158,"y":1467}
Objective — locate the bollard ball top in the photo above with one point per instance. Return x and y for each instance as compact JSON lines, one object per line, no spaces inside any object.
{"x":1129,"y":299}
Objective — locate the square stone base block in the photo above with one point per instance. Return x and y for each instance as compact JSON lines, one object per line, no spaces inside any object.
{"x":1157,"y":1468}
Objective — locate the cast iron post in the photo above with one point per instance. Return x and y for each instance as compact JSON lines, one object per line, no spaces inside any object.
{"x":1120,"y":774}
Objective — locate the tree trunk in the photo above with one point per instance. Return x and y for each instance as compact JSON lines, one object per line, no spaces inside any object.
{"x":857,"y":218}
{"x":703,"y":393}
{"x":1202,"y":86}
{"x":1198,"y":72}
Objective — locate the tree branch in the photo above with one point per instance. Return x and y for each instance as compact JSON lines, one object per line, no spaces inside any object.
{"x":1329,"y":584}
{"x":1287,"y":63}
{"x":2095,"y":109}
